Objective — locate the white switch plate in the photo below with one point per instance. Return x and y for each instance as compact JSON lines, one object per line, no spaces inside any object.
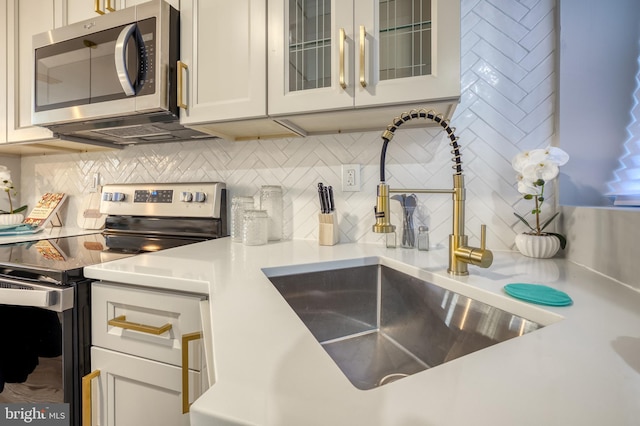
{"x":350,"y":177}
{"x":95,"y":183}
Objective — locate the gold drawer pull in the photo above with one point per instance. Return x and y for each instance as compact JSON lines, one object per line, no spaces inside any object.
{"x":186,"y":338}
{"x":122,"y":322}
{"x":86,"y":397}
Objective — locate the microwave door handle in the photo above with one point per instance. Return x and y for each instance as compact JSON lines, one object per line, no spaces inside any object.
{"x":121,"y":60}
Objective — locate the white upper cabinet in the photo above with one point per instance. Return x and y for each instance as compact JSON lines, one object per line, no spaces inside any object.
{"x":327,"y":55}
{"x":310,"y":44}
{"x":24,"y":19}
{"x":224,"y":68}
{"x":407,"y":51}
{"x":3,"y":73}
{"x":79,"y":10}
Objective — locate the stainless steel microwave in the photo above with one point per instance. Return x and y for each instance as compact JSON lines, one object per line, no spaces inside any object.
{"x":111,"y":79}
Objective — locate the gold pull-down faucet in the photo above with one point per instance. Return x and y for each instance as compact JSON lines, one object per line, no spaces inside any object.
{"x":460,"y":253}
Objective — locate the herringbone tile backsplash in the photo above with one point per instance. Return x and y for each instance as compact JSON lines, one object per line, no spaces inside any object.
{"x":507,"y":105}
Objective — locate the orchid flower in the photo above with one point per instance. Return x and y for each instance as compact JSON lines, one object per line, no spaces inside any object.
{"x":536,"y":168}
{"x":7,"y":186}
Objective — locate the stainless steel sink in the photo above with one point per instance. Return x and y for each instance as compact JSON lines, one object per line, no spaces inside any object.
{"x":380,"y":325}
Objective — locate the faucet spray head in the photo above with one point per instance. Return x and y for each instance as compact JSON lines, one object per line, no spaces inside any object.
{"x":382,"y":211}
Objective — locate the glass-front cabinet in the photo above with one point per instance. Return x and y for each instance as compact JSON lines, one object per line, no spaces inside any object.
{"x":309,"y":44}
{"x":330,"y":54}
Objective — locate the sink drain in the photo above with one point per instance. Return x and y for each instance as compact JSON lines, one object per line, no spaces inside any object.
{"x":391,"y":378}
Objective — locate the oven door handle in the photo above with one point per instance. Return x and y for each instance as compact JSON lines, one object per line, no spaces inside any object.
{"x":121,"y":59}
{"x":28,"y":297}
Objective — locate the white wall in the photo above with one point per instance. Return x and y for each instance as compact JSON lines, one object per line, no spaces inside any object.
{"x":599,"y":50}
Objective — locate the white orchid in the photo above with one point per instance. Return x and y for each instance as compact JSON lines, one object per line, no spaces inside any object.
{"x":550,"y":154}
{"x":545,"y":169}
{"x":526,"y":186}
{"x":5,"y":177}
{"x":7,"y":186}
{"x":535,"y":168}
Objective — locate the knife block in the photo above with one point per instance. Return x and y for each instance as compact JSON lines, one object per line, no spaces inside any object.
{"x":328,"y":230}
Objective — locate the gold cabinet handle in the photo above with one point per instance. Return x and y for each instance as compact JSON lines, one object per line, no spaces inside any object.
{"x":363,"y":36}
{"x":109,"y":7}
{"x":182,"y":67}
{"x":97,"y":8}
{"x":86,"y":397}
{"x":186,"y":338}
{"x":343,"y":84}
{"x":122,"y":322}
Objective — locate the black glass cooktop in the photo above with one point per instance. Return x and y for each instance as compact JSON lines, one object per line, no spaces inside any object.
{"x":60,"y":260}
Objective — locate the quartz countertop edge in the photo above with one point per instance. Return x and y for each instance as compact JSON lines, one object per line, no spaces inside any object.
{"x":48,"y":232}
{"x":583,"y":368}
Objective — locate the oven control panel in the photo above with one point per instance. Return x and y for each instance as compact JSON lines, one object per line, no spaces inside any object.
{"x":199,"y":199}
{"x":153,"y":196}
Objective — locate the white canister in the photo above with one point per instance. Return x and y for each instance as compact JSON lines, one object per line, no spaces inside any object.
{"x":255,"y":227}
{"x":271,"y":201}
{"x":238,"y":206}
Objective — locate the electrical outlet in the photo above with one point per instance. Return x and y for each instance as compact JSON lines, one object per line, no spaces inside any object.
{"x":351,"y":177}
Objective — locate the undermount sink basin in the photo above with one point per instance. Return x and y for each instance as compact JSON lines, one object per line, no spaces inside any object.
{"x":379,"y":324}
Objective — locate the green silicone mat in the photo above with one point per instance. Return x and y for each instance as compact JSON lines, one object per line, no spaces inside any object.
{"x":538,"y":293}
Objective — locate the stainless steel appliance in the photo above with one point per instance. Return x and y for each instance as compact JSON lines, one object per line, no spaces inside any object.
{"x":45,"y":299}
{"x":112,"y":79}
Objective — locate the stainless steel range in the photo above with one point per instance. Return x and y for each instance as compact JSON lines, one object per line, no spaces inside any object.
{"x":45,"y":299}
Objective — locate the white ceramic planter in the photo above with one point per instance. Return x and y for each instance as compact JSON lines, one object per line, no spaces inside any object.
{"x":539,"y":246}
{"x":11,"y":219}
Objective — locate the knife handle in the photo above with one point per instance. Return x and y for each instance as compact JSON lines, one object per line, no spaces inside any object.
{"x":321,"y":197}
{"x":325,"y":196}
{"x":332,"y":205}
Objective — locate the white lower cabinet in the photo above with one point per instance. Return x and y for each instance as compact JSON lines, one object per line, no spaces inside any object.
{"x":148,"y":357}
{"x":134,"y":391}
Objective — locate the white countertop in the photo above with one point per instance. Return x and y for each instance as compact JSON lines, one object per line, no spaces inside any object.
{"x":269,"y":369}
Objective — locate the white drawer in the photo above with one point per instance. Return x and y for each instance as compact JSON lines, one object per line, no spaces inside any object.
{"x":168,"y":315}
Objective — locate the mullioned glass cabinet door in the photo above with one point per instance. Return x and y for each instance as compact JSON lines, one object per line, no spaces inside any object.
{"x":309,"y":44}
{"x":331,"y":54}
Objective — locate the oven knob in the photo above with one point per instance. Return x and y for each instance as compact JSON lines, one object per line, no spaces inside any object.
{"x":186,"y":196}
{"x":200,"y":197}
{"x":118,"y":196}
{"x":107,"y":196}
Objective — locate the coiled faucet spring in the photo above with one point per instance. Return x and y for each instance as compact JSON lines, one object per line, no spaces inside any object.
{"x":389,"y":132}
